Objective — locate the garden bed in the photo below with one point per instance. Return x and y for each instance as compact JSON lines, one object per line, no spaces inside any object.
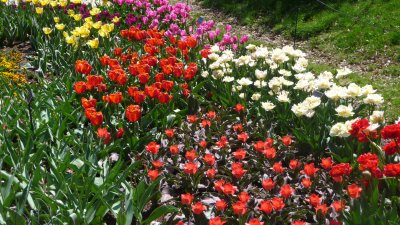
{"x":143,"y":114}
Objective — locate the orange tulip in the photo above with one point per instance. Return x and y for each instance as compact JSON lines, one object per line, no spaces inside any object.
{"x":96,"y":118}
{"x":82,"y":66}
{"x":80,"y":87}
{"x":115,"y":98}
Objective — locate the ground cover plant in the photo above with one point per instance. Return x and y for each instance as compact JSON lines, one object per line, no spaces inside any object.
{"x":133,"y":112}
{"x":10,"y":70}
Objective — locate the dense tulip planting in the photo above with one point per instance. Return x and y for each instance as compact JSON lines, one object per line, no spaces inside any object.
{"x":224,"y":170}
{"x":277,"y":86}
{"x":138,"y":113}
{"x":137,"y":83}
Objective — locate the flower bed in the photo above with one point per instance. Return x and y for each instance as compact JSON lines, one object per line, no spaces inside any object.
{"x":146,"y":115}
{"x":10,"y":68}
{"x":223,"y":170}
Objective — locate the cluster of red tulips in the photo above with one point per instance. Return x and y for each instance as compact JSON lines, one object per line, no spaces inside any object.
{"x":369,"y":161}
{"x":218,"y":169}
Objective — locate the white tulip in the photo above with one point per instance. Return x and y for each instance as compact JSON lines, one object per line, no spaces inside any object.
{"x":244,"y":81}
{"x":267,"y":106}
{"x":283,"y":96}
{"x":377,"y":117}
{"x":339,"y":130}
{"x":205,"y":74}
{"x":228,"y":79}
{"x":353,"y":90}
{"x":256,"y":96}
{"x":374,"y":99}
{"x":344,"y":111}
{"x":343,"y":73}
{"x":260,"y":75}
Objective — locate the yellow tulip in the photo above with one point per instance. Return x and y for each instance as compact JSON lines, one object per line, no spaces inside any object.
{"x":35,"y":1}
{"x":44,"y":2}
{"x":97,"y":25}
{"x":76,"y":1}
{"x":76,"y":31}
{"x":47,"y":30}
{"x":4,"y":1}
{"x":77,"y":17}
{"x":108,"y":27}
{"x":56,"y":19}
{"x":70,"y":40}
{"x":53,"y":3}
{"x":116,"y":19}
{"x":103,"y":33}
{"x":60,"y":26}
{"x":39,"y":10}
{"x":63,"y":3}
{"x":71,"y":12}
{"x":88,"y":25}
{"x":95,"y":11}
{"x":93,"y":43}
{"x":84,"y":32}
{"x":88,"y":19}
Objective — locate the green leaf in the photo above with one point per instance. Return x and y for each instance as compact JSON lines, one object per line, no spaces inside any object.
{"x":160,"y":211}
{"x":7,"y":190}
{"x":148,"y":194}
{"x":21,"y":204}
{"x":138,"y":191}
{"x":129,"y":212}
{"x":15,"y":218}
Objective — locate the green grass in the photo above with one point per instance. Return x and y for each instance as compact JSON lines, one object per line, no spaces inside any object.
{"x":361,"y":29}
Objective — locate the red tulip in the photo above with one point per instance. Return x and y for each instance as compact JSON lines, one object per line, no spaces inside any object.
{"x":80,"y":87}
{"x":354,"y":191}
{"x":82,"y":66}
{"x":152,"y":147}
{"x":153,"y":174}
{"x":133,"y":113}
{"x":198,"y":208}
{"x":186,"y":199}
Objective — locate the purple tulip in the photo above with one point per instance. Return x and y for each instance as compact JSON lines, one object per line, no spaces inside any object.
{"x":217,"y":31}
{"x":228,"y":28}
{"x":244,"y":39}
{"x":234,"y":46}
{"x":212,"y":35}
